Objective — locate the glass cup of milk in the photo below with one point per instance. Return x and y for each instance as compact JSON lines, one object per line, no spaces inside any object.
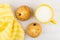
{"x":45,"y":13}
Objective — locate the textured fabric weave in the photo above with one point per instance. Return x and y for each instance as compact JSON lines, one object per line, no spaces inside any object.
{"x":10,"y":29}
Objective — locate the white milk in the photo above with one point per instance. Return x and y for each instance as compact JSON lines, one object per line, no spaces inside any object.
{"x":44,"y":13}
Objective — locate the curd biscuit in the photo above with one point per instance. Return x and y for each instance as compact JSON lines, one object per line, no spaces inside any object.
{"x":34,"y":29}
{"x":23,"y":13}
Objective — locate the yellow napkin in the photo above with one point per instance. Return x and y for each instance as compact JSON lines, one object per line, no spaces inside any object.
{"x":10,"y":29}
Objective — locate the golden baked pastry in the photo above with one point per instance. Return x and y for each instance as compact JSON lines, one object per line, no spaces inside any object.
{"x":23,"y":13}
{"x":34,"y":29}
{"x":10,"y":29}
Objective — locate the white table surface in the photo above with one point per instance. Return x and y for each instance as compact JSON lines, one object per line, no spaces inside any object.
{"x":49,"y":31}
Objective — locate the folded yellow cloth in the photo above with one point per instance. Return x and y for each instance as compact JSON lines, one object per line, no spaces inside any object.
{"x":10,"y":29}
